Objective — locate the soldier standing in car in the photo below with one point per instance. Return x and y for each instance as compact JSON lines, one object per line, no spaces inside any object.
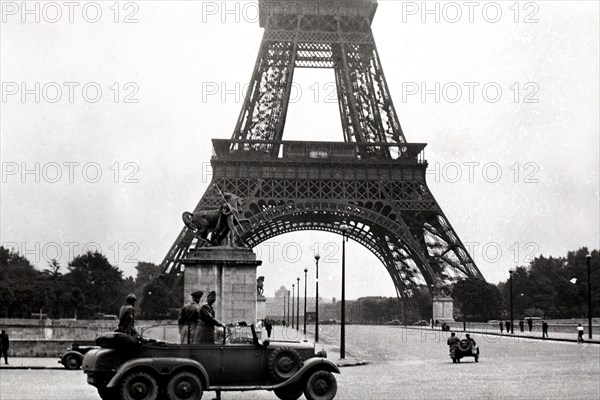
{"x":189,"y":318}
{"x":453,"y":341}
{"x":127,"y":316}
{"x":208,"y":320}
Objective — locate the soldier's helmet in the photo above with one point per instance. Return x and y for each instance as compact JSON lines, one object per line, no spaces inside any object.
{"x":131,"y":298}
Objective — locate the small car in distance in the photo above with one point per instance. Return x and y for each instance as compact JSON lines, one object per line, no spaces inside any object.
{"x":421,"y":323}
{"x":465,"y":348}
{"x":73,"y":357}
{"x":130,"y":368}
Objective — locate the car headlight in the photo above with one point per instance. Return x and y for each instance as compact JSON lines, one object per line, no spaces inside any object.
{"x":322,"y":354}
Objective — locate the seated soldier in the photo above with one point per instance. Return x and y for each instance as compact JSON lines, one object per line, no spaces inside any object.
{"x":470,"y":339}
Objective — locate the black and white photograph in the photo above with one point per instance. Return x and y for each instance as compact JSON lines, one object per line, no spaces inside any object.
{"x":299,"y":199}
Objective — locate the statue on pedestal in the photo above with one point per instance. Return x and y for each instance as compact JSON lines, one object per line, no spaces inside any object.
{"x":217,"y":227}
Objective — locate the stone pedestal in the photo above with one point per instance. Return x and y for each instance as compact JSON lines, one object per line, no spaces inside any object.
{"x":443,"y":309}
{"x":261,"y":307}
{"x":229,"y":271}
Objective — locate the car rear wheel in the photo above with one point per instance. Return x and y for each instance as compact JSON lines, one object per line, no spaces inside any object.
{"x":184,"y":386}
{"x":284,"y":362}
{"x":289,"y":393}
{"x":71,"y":361}
{"x":321,"y":386}
{"x":139,"y":386}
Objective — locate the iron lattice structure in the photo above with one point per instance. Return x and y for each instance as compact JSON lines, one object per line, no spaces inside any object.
{"x":374,"y":181}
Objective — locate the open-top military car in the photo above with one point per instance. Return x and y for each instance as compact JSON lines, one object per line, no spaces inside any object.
{"x":464,"y":348}
{"x":130,"y":368}
{"x":73,"y":357}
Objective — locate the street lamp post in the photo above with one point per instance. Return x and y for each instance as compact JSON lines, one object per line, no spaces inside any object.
{"x":344,"y":228}
{"x":464,"y":310}
{"x":432,"y":321}
{"x":317,"y":257}
{"x":298,"y":305}
{"x":588,"y":259}
{"x":293,"y":298}
{"x":305,"y":272}
{"x":511,"y":301}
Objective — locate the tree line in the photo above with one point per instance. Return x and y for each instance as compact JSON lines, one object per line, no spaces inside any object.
{"x":547,"y":287}
{"x":90,"y":288}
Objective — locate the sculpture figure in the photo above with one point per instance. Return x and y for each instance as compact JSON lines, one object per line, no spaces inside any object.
{"x":216,"y":227}
{"x":260,"y":285}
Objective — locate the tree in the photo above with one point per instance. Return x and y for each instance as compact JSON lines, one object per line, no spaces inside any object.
{"x":99,"y":281}
{"x":482,"y":300}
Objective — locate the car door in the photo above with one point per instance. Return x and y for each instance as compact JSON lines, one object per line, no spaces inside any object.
{"x":244,"y":364}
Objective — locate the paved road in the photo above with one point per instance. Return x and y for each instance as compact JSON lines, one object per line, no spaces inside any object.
{"x":403,"y":364}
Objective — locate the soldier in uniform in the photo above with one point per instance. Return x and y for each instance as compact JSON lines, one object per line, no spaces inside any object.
{"x":127,"y":316}
{"x":453,"y":342}
{"x":208,"y":320}
{"x":189,"y":318}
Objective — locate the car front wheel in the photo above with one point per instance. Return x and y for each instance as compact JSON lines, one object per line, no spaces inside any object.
{"x":321,"y":386}
{"x":72,"y":362}
{"x":139,"y":386}
{"x":184,"y":386}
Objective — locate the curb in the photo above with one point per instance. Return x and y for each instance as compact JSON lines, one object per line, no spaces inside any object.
{"x":586,"y":341}
{"x":36,"y":367}
{"x":341,"y":364}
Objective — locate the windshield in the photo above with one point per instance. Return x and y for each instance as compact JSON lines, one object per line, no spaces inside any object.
{"x":169,"y":332}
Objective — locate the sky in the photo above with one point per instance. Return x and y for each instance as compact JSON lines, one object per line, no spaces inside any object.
{"x":107,"y":115}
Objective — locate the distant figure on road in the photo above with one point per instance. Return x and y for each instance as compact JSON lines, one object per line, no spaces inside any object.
{"x":579,"y":333}
{"x":127,"y":316}
{"x":268,"y":327}
{"x":501,"y":327}
{"x":522,"y":326}
{"x":4,"y":344}
{"x":208,"y":320}
{"x":530,"y":324}
{"x":544,"y":329}
{"x":189,"y":318}
{"x":507,"y":324}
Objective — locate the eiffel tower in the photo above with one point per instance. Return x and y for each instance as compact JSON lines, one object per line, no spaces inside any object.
{"x":373,"y":181}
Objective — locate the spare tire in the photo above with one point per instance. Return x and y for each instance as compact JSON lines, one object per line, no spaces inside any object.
{"x":283,"y":363}
{"x":465,"y":345}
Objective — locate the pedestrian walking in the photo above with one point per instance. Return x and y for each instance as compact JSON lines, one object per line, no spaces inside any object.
{"x":268,"y":327}
{"x":4,"y":344}
{"x":189,"y":319}
{"x":522,"y":326}
{"x":579,"y":333}
{"x":127,"y":316}
{"x":530,"y":324}
{"x":507,"y":324}
{"x":544,"y":329}
{"x":501,"y":327}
